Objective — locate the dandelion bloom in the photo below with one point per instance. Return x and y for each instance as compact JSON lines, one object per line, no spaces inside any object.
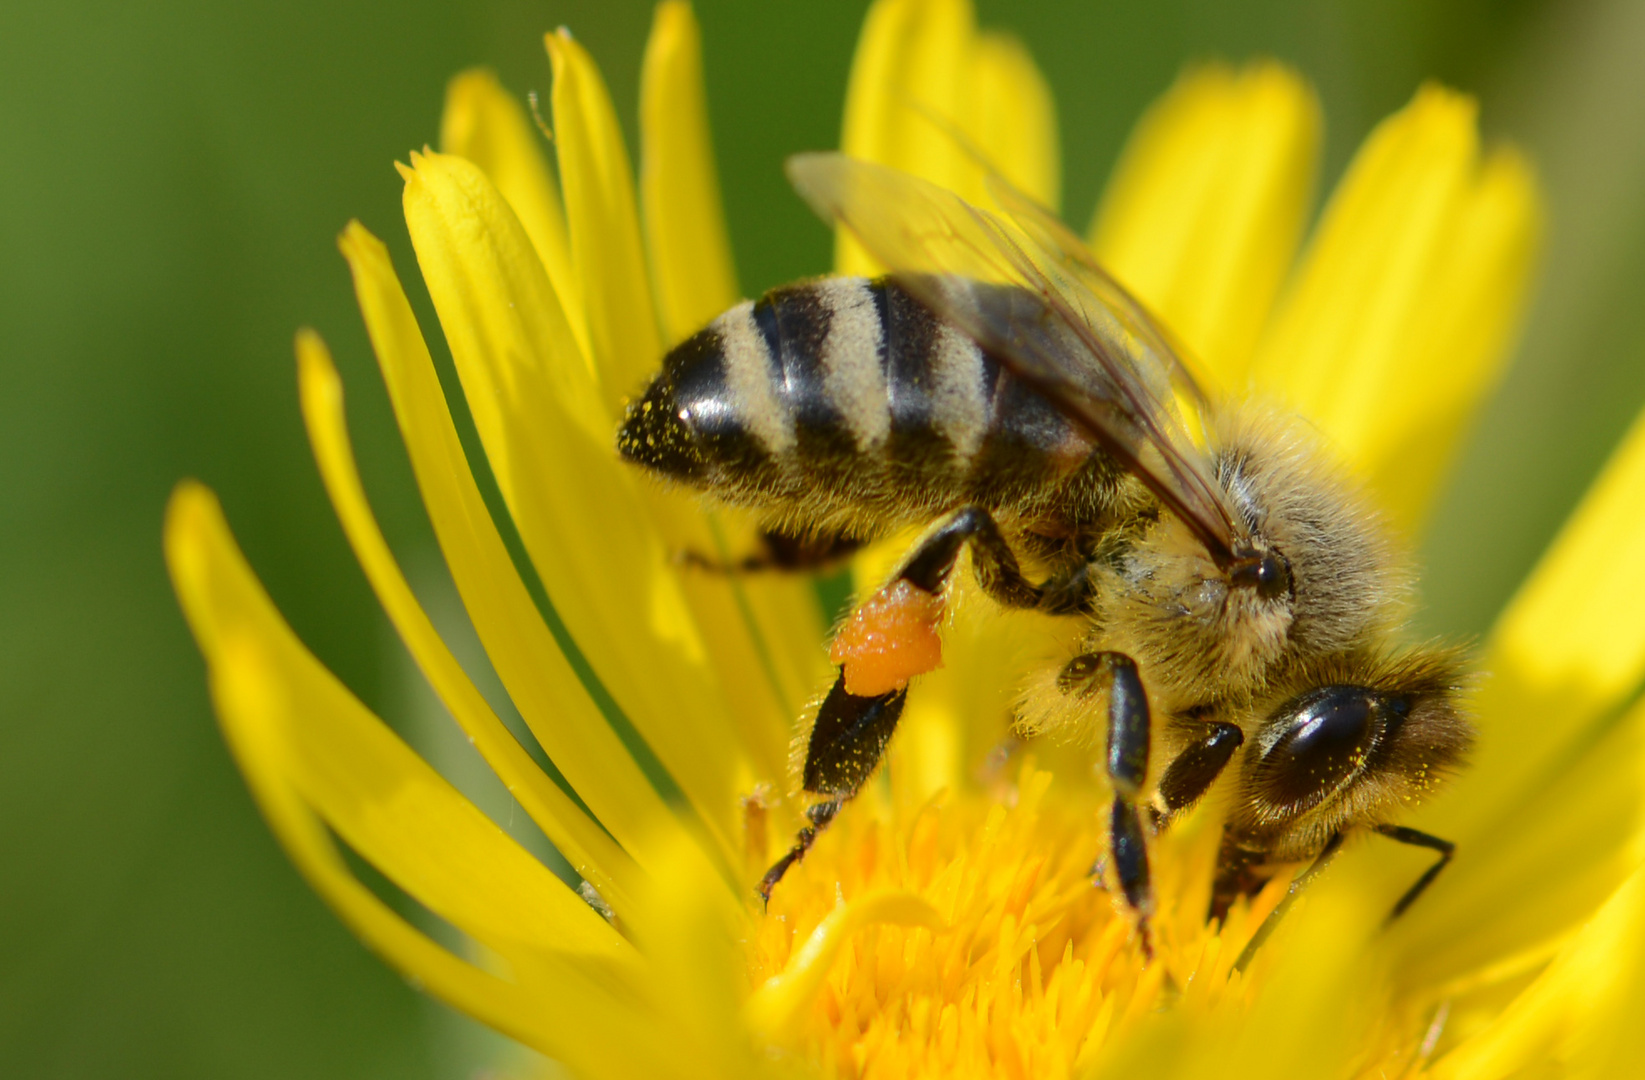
{"x":947,"y":924}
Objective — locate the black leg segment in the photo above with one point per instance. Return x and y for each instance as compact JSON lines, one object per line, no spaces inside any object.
{"x":819,"y":814}
{"x":1129,"y":848}
{"x":847,"y":742}
{"x":848,"y":739}
{"x":1129,"y":728}
{"x":1193,"y":771}
{"x":781,"y":553}
{"x":992,"y":558}
{"x":1417,"y":839}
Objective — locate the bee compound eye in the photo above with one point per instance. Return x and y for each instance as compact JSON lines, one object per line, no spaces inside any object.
{"x":1327,"y":736}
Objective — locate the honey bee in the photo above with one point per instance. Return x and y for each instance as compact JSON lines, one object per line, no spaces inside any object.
{"x":1238,"y":598}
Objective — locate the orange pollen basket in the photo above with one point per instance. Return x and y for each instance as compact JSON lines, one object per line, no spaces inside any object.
{"x":889,"y":639}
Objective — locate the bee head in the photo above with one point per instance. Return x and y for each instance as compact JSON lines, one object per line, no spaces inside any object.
{"x":1317,"y":553}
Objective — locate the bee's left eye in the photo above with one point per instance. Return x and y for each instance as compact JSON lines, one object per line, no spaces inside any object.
{"x":1328,"y":734}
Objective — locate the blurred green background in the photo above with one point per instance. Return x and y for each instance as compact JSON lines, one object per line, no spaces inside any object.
{"x":178,"y":171}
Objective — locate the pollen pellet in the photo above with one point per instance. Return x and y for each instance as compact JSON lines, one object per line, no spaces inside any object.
{"x":889,"y":639}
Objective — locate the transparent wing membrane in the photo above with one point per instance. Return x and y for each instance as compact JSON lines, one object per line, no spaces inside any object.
{"x":1027,"y":291}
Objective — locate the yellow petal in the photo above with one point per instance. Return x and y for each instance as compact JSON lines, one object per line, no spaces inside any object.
{"x":1203,"y":215}
{"x":911,"y":57}
{"x":927,"y":91}
{"x":1301,"y":1011}
{"x":588,"y":848}
{"x":762,"y":634}
{"x":242,"y":689}
{"x":553,"y":1004}
{"x":1310,"y":1010}
{"x":521,"y":648}
{"x":1398,"y":321}
{"x":485,"y":124}
{"x":575,"y":504}
{"x":1557,"y":854}
{"x":1568,"y":649}
{"x":1014,"y":117}
{"x":685,"y":224}
{"x":754,"y":656}
{"x":1580,"y":1018}
{"x":691,"y":934}
{"x":605,"y":227}
{"x":367,"y":785}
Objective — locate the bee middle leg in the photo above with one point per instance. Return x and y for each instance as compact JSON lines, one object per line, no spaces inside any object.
{"x":1129,"y":727}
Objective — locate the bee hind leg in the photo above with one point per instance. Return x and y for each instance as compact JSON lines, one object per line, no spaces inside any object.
{"x":852,"y":730}
{"x":819,"y":815}
{"x":992,"y":559}
{"x":846,"y":744}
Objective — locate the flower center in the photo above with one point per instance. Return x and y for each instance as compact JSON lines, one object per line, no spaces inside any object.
{"x":971,"y":938}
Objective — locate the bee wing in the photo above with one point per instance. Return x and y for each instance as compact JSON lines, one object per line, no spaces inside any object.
{"x":1076,"y":260}
{"x":1099,"y":359}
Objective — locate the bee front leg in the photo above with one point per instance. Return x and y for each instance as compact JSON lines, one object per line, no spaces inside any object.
{"x":1404,"y":835}
{"x":1192,"y":772}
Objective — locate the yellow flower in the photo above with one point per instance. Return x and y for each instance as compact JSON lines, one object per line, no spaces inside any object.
{"x":946,"y":925}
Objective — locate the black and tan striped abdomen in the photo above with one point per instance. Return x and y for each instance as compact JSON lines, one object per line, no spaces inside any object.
{"x":846,"y":402}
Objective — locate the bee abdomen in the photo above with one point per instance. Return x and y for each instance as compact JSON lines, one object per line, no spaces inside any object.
{"x":852,"y":397}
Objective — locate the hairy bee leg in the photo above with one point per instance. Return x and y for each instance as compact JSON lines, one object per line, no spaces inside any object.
{"x":991,"y":557}
{"x":780,"y":553}
{"x":820,"y":815}
{"x":1403,"y":835}
{"x":1126,"y":763}
{"x":852,"y":730}
{"x":1194,"y":770}
{"x":846,"y":745}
